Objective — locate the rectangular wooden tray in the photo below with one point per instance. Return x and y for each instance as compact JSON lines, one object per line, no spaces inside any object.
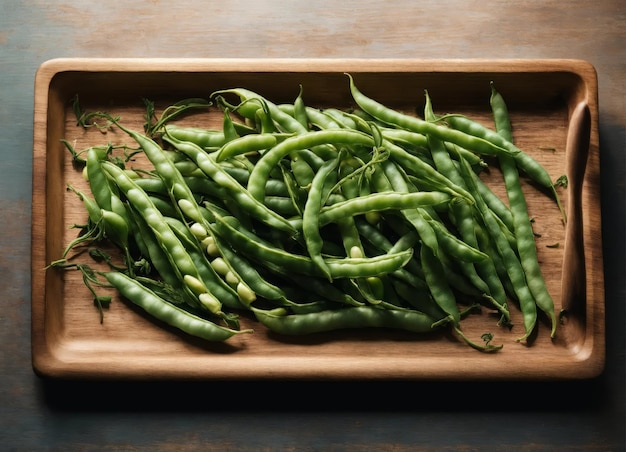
{"x":68,"y":339}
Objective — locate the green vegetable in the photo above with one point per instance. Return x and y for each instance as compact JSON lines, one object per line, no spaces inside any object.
{"x":312,"y":220}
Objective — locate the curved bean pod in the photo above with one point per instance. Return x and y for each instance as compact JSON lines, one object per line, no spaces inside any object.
{"x":311,"y":214}
{"x":414,"y":124}
{"x":262,"y":169}
{"x":166,"y":312}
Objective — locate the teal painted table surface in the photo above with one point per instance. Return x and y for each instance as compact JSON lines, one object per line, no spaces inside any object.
{"x":38,"y":414}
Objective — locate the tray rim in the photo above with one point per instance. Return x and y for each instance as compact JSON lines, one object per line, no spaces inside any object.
{"x":50,"y":359}
{"x":173,"y":65}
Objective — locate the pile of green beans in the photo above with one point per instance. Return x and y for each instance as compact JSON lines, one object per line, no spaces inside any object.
{"x":311,"y":220}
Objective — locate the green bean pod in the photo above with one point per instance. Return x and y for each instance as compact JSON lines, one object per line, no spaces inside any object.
{"x":438,"y":284}
{"x":166,"y":312}
{"x":523,"y":230}
{"x":219,"y":288}
{"x":301,"y":172}
{"x":102,"y":224}
{"x":344,"y":318}
{"x":299,"y":110}
{"x":510,"y":260}
{"x":335,"y":292}
{"x":154,"y":252}
{"x":206,"y":139}
{"x":311,"y":214}
{"x":285,"y":122}
{"x":379,"y":202}
{"x":414,"y":124}
{"x":245,"y":144}
{"x":230,"y":229}
{"x":98,"y":182}
{"x":523,"y":160}
{"x":269,"y":160}
{"x":322,"y":120}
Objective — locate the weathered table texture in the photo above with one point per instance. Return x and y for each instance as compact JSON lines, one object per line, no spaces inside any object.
{"x":38,"y":414}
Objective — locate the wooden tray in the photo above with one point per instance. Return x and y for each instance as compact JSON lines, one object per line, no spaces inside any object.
{"x":69,"y":341}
